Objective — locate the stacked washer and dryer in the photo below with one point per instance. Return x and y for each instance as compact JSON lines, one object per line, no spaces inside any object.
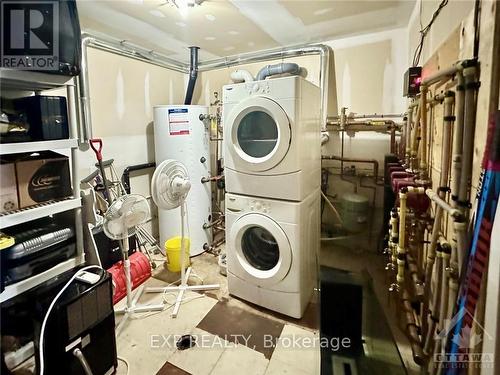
{"x":272,"y":161}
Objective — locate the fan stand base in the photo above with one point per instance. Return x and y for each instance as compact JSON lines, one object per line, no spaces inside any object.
{"x":181,"y":290}
{"x":131,"y":309}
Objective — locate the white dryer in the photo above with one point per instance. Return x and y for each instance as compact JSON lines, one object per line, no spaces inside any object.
{"x":272,"y":138}
{"x":272,"y":248}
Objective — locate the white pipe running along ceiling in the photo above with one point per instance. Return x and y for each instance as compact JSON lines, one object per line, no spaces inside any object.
{"x":224,"y":28}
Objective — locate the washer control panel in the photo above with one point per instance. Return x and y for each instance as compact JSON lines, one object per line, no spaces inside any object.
{"x":259,"y":206}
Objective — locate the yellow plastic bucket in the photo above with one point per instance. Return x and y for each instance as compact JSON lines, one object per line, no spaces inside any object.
{"x":173,"y":249}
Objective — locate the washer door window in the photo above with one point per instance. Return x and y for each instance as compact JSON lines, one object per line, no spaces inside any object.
{"x":260,"y":134}
{"x":262,"y":249}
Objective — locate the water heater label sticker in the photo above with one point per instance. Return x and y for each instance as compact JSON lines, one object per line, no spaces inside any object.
{"x":178,"y":121}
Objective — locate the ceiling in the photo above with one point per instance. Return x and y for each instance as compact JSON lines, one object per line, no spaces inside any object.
{"x":228,"y":27}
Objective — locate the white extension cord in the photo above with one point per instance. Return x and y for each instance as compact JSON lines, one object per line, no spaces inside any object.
{"x":45,"y":319}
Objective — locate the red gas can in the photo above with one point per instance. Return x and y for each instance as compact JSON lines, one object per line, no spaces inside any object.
{"x":140,"y":271}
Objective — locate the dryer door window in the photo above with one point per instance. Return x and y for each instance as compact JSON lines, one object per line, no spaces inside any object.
{"x":262,"y":248}
{"x":259,"y":134}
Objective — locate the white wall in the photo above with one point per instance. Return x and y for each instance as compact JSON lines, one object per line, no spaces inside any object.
{"x":448,"y":20}
{"x":123,"y":92}
{"x":369,"y":77}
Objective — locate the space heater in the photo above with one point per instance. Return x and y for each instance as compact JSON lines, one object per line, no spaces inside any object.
{"x":82,"y":320}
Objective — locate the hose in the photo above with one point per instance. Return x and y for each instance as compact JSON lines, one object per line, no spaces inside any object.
{"x":85,"y":365}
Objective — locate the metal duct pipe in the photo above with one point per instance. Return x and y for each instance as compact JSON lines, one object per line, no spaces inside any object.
{"x":242,"y":75}
{"x":193,"y":74}
{"x":83,"y":85}
{"x":279,"y":54}
{"x":133,"y":51}
{"x":121,"y":48}
{"x":271,"y":70}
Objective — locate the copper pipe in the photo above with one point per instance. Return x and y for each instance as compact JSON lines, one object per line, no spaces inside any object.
{"x":355,"y":160}
{"x":412,"y":330}
{"x":374,"y":115}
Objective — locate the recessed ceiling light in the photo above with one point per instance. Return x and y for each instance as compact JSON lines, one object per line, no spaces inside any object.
{"x":320,"y":12}
{"x":181,"y":24}
{"x":210,"y":17}
{"x":157,"y":13}
{"x":233,"y":32}
{"x":228,"y":48}
{"x":210,"y":38}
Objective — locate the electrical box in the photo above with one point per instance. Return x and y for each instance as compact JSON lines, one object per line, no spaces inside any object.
{"x":412,"y":80}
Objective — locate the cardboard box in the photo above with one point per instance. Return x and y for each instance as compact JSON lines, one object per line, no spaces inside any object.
{"x":8,"y":188}
{"x":42,"y":177}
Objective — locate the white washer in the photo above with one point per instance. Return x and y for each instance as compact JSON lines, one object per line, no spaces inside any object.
{"x":272,"y":138}
{"x":272,"y":249}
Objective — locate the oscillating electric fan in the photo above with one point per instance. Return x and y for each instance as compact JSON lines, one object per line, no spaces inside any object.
{"x":120,"y":222}
{"x":169,"y":187}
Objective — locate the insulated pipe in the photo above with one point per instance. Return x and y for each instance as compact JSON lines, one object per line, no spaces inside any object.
{"x":408,"y":137}
{"x":193,"y":74}
{"x":442,"y":189}
{"x":322,"y":50}
{"x":441,"y":75}
{"x":433,"y":314}
{"x":402,"y":237}
{"x":453,"y":212}
{"x":458,"y":139}
{"x":423,"y":134}
{"x":414,"y":140}
{"x":443,"y":310}
{"x":431,"y":308}
{"x":272,"y":70}
{"x":468,"y":136}
{"x":242,"y":75}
